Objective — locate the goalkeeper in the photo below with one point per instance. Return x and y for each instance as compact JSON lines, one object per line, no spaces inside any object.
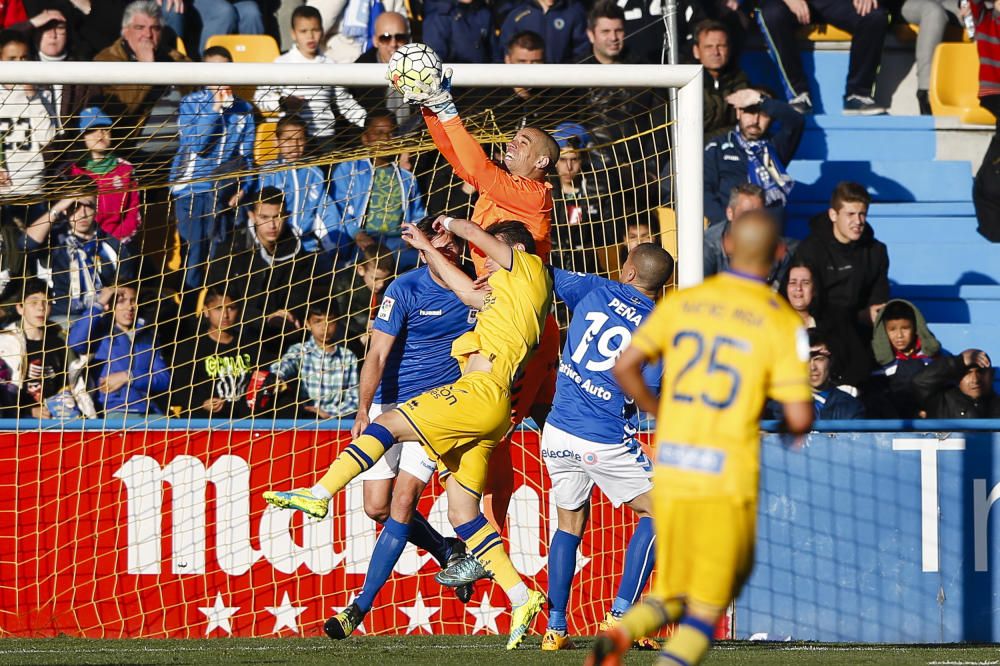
{"x":520,"y":191}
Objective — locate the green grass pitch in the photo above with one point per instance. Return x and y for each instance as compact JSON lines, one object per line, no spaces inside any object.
{"x":449,"y":651}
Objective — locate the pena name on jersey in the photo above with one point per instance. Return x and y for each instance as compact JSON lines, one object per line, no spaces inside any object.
{"x":588,"y":401}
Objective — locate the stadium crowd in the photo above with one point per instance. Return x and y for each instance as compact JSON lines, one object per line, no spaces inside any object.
{"x":256,"y":326}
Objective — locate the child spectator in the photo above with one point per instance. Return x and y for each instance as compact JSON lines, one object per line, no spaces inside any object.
{"x":212,"y":370}
{"x":311,"y":103}
{"x":312,"y":214}
{"x":79,"y":259}
{"x":328,"y":370}
{"x":117,"y":197}
{"x":638,"y":229}
{"x":45,"y":378}
{"x":359,"y":293}
{"x":375,"y":196}
{"x":217,"y":133}
{"x":903,"y":345}
{"x":125,"y":366}
{"x":26,"y":129}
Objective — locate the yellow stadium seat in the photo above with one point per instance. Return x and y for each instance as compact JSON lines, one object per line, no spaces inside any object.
{"x":181,"y":48}
{"x":825,"y":33}
{"x":906,"y":32}
{"x":667,"y":218}
{"x":265,"y":147}
{"x":247,"y":48}
{"x":955,"y":84}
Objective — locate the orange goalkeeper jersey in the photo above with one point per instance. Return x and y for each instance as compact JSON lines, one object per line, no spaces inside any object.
{"x":502,"y":196}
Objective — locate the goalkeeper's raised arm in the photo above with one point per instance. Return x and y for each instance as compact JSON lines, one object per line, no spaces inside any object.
{"x":521,"y":191}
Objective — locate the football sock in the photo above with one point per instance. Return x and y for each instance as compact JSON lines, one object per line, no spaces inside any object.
{"x":486,"y":545}
{"x":645,"y":618}
{"x":422,"y":535}
{"x":639,"y":558}
{"x":387,"y":550}
{"x":689,"y":643}
{"x":359,"y":456}
{"x":562,"y":566}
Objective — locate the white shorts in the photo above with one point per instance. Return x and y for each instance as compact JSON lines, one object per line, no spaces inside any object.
{"x":406,"y":456}
{"x":621,"y":471}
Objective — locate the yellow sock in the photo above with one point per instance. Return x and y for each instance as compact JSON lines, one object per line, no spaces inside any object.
{"x":690,"y":643}
{"x":359,"y":455}
{"x":487,"y":546}
{"x":646,"y":618}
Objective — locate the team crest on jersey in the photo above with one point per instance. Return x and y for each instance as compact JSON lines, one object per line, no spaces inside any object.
{"x":471,"y":319}
{"x":385,"y":310}
{"x":590,"y":458}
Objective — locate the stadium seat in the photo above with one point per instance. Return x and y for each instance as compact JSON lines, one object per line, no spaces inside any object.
{"x":181,"y":48}
{"x":247,"y":48}
{"x":907,"y":32}
{"x":667,"y":218}
{"x":265,"y":147}
{"x":955,"y":84}
{"x":825,"y":33}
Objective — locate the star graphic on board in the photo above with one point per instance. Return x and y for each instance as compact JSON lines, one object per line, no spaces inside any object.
{"x":218,"y":615}
{"x":285,"y":614}
{"x":419,"y":614}
{"x":486,"y":615}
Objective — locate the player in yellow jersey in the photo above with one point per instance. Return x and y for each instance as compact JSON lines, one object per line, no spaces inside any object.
{"x":727,"y":345}
{"x":459,"y":424}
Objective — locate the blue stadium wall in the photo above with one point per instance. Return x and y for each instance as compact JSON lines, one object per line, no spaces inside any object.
{"x":878,"y":536}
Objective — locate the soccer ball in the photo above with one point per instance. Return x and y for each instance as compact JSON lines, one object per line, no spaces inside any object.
{"x":414,"y":68}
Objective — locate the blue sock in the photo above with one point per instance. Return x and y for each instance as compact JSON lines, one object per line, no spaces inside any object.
{"x":639,"y":558}
{"x":422,"y":535}
{"x":388,"y":548}
{"x":562,"y":566}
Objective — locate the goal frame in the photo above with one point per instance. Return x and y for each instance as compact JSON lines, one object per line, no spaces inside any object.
{"x":687,"y":79}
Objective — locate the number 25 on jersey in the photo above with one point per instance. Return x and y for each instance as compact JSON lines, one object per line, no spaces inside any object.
{"x":707,"y":375}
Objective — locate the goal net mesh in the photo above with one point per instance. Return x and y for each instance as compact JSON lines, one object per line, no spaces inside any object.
{"x":142,"y":424}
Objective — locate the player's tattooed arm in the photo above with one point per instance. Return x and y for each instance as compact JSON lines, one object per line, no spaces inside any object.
{"x":453,"y":276}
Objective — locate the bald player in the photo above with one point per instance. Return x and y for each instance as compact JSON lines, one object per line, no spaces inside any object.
{"x":590,"y":435}
{"x":518,"y":191}
{"x":728,"y":345}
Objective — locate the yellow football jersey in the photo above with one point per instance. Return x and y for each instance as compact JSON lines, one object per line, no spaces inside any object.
{"x":727,"y":344}
{"x":513,"y":316}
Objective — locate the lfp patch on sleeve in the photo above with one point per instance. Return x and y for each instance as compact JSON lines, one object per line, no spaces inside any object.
{"x":385,"y":310}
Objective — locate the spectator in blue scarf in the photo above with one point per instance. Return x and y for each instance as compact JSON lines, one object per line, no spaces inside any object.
{"x":76,"y":257}
{"x":752,"y":153}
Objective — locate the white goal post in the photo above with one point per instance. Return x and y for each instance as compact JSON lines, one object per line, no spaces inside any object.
{"x":687,"y":79}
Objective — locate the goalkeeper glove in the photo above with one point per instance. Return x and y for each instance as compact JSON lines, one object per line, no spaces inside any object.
{"x":436,"y":96}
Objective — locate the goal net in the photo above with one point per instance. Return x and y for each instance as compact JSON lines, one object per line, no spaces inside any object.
{"x":192,"y":345}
